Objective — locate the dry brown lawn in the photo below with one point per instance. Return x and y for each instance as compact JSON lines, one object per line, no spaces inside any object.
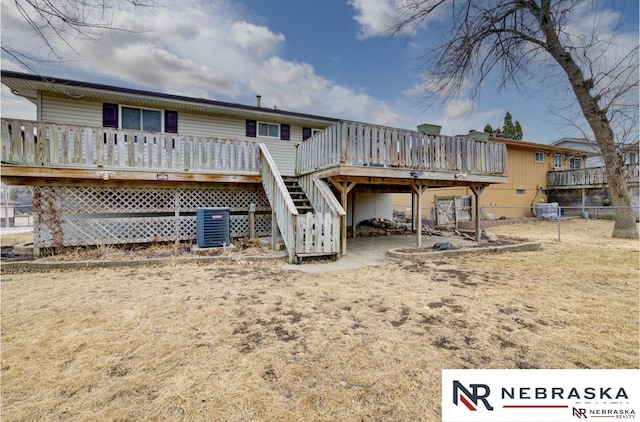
{"x":255,"y":342}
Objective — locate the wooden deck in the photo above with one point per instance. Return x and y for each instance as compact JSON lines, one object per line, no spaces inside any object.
{"x":381,"y":155}
{"x":593,"y":177}
{"x":32,"y":150}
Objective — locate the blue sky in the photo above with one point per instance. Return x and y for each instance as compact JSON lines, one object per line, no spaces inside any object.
{"x":330,"y":57}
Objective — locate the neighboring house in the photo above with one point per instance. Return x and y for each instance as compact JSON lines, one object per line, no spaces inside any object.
{"x":114,"y":165}
{"x":587,"y":185}
{"x":527,"y":183}
{"x":569,"y":172}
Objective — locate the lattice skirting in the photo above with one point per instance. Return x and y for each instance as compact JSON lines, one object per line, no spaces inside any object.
{"x":73,"y":216}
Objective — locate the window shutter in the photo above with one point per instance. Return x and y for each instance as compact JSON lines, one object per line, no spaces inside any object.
{"x":170,"y":121}
{"x":285,"y":131}
{"x":251,"y":128}
{"x":110,"y":115}
{"x":306,"y":133}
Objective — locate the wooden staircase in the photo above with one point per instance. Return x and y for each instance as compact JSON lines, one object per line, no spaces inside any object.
{"x":300,"y":200}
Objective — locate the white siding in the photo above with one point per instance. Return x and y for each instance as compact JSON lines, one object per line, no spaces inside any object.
{"x":71,"y":111}
{"x":80,"y":112}
{"x":372,"y":205}
{"x":283,"y":152}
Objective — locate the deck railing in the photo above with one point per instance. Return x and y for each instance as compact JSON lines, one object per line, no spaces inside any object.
{"x":349,"y":143}
{"x":586,"y":177}
{"x":31,"y":143}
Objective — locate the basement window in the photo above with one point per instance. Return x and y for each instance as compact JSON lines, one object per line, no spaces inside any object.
{"x":519,"y":191}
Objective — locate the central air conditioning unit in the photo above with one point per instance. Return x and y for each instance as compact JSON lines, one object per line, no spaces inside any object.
{"x":212,"y":226}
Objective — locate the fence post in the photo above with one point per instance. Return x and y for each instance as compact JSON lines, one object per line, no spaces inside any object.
{"x":559,"y":215}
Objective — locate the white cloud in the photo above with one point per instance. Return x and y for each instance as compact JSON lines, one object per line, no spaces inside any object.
{"x":375,"y":17}
{"x":380,"y":17}
{"x":256,"y":39}
{"x":229,"y":58}
{"x":459,"y":107}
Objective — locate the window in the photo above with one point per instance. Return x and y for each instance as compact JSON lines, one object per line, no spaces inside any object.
{"x":539,"y":157}
{"x":269,"y":130}
{"x":141,"y":119}
{"x":575,"y":163}
{"x":519,"y":191}
{"x":134,"y":118}
{"x":557,"y":160}
{"x":633,"y":158}
{"x":308,"y":132}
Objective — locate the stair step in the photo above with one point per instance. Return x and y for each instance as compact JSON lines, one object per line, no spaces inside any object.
{"x":300,"y":200}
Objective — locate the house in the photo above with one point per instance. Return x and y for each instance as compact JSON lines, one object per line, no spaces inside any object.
{"x":586,"y":185}
{"x":114,"y":165}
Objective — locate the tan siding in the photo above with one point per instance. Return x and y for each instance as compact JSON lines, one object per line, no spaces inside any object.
{"x":71,"y":111}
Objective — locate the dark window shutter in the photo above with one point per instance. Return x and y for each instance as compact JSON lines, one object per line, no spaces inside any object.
{"x":110,"y":115}
{"x":306,"y":133}
{"x":251,"y":128}
{"x":170,"y":121}
{"x":285,"y":132}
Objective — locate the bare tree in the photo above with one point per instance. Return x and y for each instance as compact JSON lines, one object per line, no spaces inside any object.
{"x":515,"y":38}
{"x":63,"y":21}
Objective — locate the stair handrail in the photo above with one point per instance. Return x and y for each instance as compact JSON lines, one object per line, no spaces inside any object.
{"x":320,"y":195}
{"x":280,"y":200}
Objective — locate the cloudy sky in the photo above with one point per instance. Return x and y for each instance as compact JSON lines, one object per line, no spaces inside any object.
{"x":332,"y":57}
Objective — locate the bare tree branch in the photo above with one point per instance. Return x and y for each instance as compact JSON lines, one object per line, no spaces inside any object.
{"x":511,"y":38}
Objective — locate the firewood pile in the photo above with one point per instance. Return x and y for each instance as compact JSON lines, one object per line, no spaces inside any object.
{"x":379,"y":227}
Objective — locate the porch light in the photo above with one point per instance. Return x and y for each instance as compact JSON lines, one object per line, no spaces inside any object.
{"x":162,"y":176}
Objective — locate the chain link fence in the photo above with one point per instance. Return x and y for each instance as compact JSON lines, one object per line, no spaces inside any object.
{"x":16,"y":225}
{"x":626,"y":218}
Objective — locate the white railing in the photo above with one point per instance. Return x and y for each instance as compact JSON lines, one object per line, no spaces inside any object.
{"x":32,"y":143}
{"x":320,"y":195}
{"x":350,"y":143}
{"x":281,"y":203}
{"x":317,"y":234}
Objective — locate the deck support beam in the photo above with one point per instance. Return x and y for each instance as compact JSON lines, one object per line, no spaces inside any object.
{"x":418,"y":190}
{"x":344,"y":188}
{"x":477,"y":191}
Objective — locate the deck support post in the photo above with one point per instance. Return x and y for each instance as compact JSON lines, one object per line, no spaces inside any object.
{"x":418,"y":189}
{"x":353,"y":214}
{"x":344,"y":188}
{"x":477,"y":191}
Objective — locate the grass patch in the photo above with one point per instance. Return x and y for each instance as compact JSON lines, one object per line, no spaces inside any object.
{"x":257,"y":342}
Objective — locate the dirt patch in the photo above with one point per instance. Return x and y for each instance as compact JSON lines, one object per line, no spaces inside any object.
{"x":257,"y":342}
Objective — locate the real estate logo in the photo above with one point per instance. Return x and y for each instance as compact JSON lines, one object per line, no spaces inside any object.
{"x":539,"y":395}
{"x":467,"y":398}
